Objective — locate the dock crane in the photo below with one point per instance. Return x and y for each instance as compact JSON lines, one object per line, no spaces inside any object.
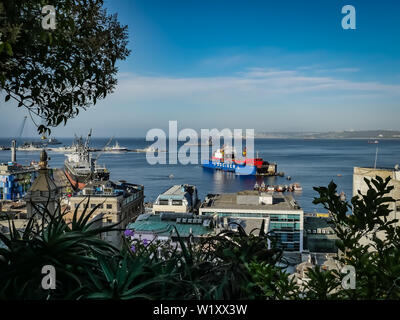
{"x":88,"y":139}
{"x":21,"y":130}
{"x":104,"y":148}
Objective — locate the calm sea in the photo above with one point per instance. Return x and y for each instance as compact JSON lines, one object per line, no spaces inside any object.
{"x":309,"y":162}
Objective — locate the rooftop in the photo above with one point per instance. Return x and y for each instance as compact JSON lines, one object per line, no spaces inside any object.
{"x":109,"y":189}
{"x":177,"y":192}
{"x":250,"y":200}
{"x":318,"y":226}
{"x":14,"y":168}
{"x":157,"y":224}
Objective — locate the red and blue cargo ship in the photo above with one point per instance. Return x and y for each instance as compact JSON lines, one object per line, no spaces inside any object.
{"x":224,"y":159}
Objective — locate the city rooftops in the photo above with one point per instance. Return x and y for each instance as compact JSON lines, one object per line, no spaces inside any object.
{"x":15,"y":168}
{"x":164,"y":224}
{"x":109,"y":189}
{"x":250,"y":200}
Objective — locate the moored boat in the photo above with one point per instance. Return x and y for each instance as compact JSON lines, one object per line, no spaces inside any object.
{"x":225,"y":159}
{"x":80,"y":168}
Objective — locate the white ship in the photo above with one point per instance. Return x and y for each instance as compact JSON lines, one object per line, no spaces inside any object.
{"x":116,"y":148}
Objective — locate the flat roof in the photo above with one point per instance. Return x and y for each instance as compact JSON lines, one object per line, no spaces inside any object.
{"x":176,"y":192}
{"x":311,"y":223}
{"x":229,"y":201}
{"x":153,"y":223}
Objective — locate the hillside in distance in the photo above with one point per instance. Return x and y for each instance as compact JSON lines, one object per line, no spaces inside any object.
{"x":365,"y":134}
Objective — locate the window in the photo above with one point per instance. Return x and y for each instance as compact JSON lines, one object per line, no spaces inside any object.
{"x":176,"y":202}
{"x":109,"y":206}
{"x":163,"y":202}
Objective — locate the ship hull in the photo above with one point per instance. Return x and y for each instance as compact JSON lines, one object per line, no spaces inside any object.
{"x":78,"y":182}
{"x":231,"y":167}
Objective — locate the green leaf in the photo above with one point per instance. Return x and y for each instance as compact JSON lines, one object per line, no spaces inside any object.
{"x":8,"y":48}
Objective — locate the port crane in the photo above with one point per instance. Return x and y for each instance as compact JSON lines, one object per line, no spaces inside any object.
{"x":88,"y":139}
{"x":21,"y":130}
{"x":104,"y":148}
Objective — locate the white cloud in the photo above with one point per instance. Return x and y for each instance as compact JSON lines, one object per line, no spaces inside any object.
{"x":260,"y":83}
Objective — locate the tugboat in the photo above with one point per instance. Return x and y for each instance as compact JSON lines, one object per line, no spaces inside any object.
{"x":224,"y":159}
{"x":80,"y":168}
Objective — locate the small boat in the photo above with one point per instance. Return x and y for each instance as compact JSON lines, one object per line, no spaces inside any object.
{"x":53,"y":141}
{"x":373,"y":141}
{"x":256,"y":186}
{"x":289,"y":178}
{"x":262,"y":187}
{"x":280,"y":188}
{"x":270,"y":188}
{"x":297,"y":187}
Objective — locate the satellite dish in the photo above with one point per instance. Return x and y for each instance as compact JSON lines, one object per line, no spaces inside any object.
{"x":396,"y":167}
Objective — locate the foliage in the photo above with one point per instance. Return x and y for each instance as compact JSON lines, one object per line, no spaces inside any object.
{"x":70,"y":248}
{"x":369,"y":240}
{"x":56,"y":73}
{"x":231,"y":265}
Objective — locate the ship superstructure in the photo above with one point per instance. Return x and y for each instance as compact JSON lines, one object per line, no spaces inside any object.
{"x":81,"y":168}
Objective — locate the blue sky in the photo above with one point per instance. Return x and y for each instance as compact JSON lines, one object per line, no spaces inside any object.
{"x":269,"y":65}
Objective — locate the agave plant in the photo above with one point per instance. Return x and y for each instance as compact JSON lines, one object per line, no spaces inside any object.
{"x":49,"y":240}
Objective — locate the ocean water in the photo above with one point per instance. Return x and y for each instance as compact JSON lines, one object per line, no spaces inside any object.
{"x":309,"y":162}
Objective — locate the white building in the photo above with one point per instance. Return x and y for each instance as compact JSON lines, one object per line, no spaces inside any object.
{"x":281,"y":214}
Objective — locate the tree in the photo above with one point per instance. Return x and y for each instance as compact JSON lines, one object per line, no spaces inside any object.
{"x":369,"y":240}
{"x":56,"y":73}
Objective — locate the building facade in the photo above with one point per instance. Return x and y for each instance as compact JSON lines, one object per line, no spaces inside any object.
{"x":15,"y":180}
{"x":117,"y":203}
{"x":319,"y":235}
{"x":179,"y":199}
{"x":282,"y":215}
{"x":359,"y":185}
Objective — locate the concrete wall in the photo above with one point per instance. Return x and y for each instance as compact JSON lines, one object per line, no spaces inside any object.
{"x":370,"y":173}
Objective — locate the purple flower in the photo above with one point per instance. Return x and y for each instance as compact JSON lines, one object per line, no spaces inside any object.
{"x":129,"y":233}
{"x":145,"y":242}
{"x":133,"y":248}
